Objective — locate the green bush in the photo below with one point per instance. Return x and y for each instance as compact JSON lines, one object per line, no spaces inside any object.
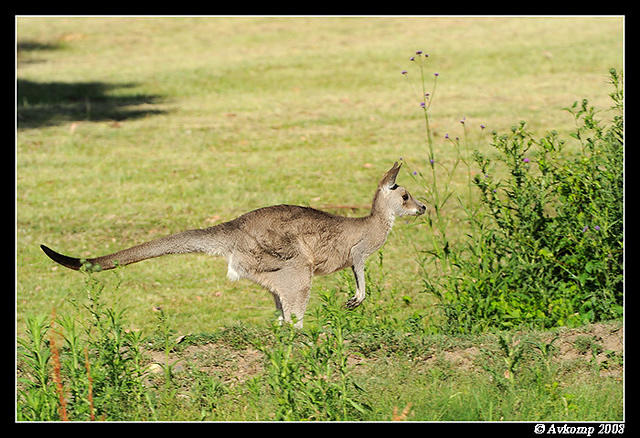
{"x":545,"y":240}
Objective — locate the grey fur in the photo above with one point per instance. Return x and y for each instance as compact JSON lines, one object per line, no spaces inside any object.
{"x":283,"y":246}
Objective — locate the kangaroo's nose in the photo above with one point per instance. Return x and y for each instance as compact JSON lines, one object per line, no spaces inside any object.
{"x":422,"y":209}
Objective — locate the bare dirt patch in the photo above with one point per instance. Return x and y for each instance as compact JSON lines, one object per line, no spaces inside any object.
{"x":600,"y":344}
{"x":216,"y":359}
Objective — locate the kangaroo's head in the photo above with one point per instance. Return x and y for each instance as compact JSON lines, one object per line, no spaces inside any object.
{"x":392,"y":200}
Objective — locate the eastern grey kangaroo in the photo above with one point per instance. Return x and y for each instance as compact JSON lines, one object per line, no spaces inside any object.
{"x":283,"y":246}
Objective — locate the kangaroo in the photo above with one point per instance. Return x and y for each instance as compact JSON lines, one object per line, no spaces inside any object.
{"x":283,"y":246}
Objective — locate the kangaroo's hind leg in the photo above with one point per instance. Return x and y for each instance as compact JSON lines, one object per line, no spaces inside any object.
{"x":297,"y":305}
{"x":276,"y":298}
{"x":291,"y":288}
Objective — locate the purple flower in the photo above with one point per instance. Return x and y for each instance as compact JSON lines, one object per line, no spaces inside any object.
{"x":463,"y":119}
{"x":422,"y":105}
{"x":585,"y":228}
{"x":436,"y":74}
{"x":418,"y":52}
{"x":404,"y":72}
{"x":415,"y":173}
{"x":413,"y":58}
{"x":525,"y":160}
{"x":446,"y":136}
{"x":432,"y":161}
{"x":482,"y":126}
{"x":597,"y":228}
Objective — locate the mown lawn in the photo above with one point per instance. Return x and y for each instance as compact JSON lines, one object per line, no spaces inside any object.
{"x":134,"y":128}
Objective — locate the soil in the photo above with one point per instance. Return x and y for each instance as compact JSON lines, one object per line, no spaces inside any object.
{"x":602,"y":342}
{"x":230,"y":365}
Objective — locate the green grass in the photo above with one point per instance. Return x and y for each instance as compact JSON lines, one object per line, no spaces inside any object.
{"x":344,"y":368}
{"x":134,"y":128}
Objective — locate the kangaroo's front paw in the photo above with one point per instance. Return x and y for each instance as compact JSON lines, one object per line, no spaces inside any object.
{"x":353,"y":302}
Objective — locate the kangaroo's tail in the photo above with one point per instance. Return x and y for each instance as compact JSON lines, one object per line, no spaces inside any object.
{"x":192,"y":241}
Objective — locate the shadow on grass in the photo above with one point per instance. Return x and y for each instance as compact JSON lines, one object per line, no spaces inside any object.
{"x":42,"y":104}
{"x":25,"y":51}
{"x":30,"y":46}
{"x":51,"y":103}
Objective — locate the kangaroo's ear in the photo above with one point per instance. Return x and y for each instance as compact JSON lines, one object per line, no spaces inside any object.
{"x":389,"y":179}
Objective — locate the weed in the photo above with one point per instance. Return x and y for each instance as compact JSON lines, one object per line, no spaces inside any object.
{"x":510,"y":355}
{"x":613,"y":359}
{"x":206,"y":391}
{"x":308,"y":374}
{"x":401,"y":416}
{"x":89,"y":385}
{"x":106,"y":383}
{"x":587,"y":344}
{"x":36,"y":397}
{"x":547,"y":351}
{"x":55,"y":355}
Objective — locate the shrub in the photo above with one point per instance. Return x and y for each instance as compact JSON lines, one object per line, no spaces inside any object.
{"x":544,"y":245}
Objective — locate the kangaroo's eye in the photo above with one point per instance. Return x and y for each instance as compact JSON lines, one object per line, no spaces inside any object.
{"x":405,"y":197}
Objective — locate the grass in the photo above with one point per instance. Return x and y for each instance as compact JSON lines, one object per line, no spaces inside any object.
{"x":343,"y":369}
{"x":134,"y":128}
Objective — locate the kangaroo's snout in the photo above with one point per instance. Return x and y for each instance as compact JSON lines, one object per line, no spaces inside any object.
{"x":420,"y":208}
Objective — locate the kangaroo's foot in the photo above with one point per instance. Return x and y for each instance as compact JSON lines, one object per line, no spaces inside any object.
{"x":353,"y":302}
